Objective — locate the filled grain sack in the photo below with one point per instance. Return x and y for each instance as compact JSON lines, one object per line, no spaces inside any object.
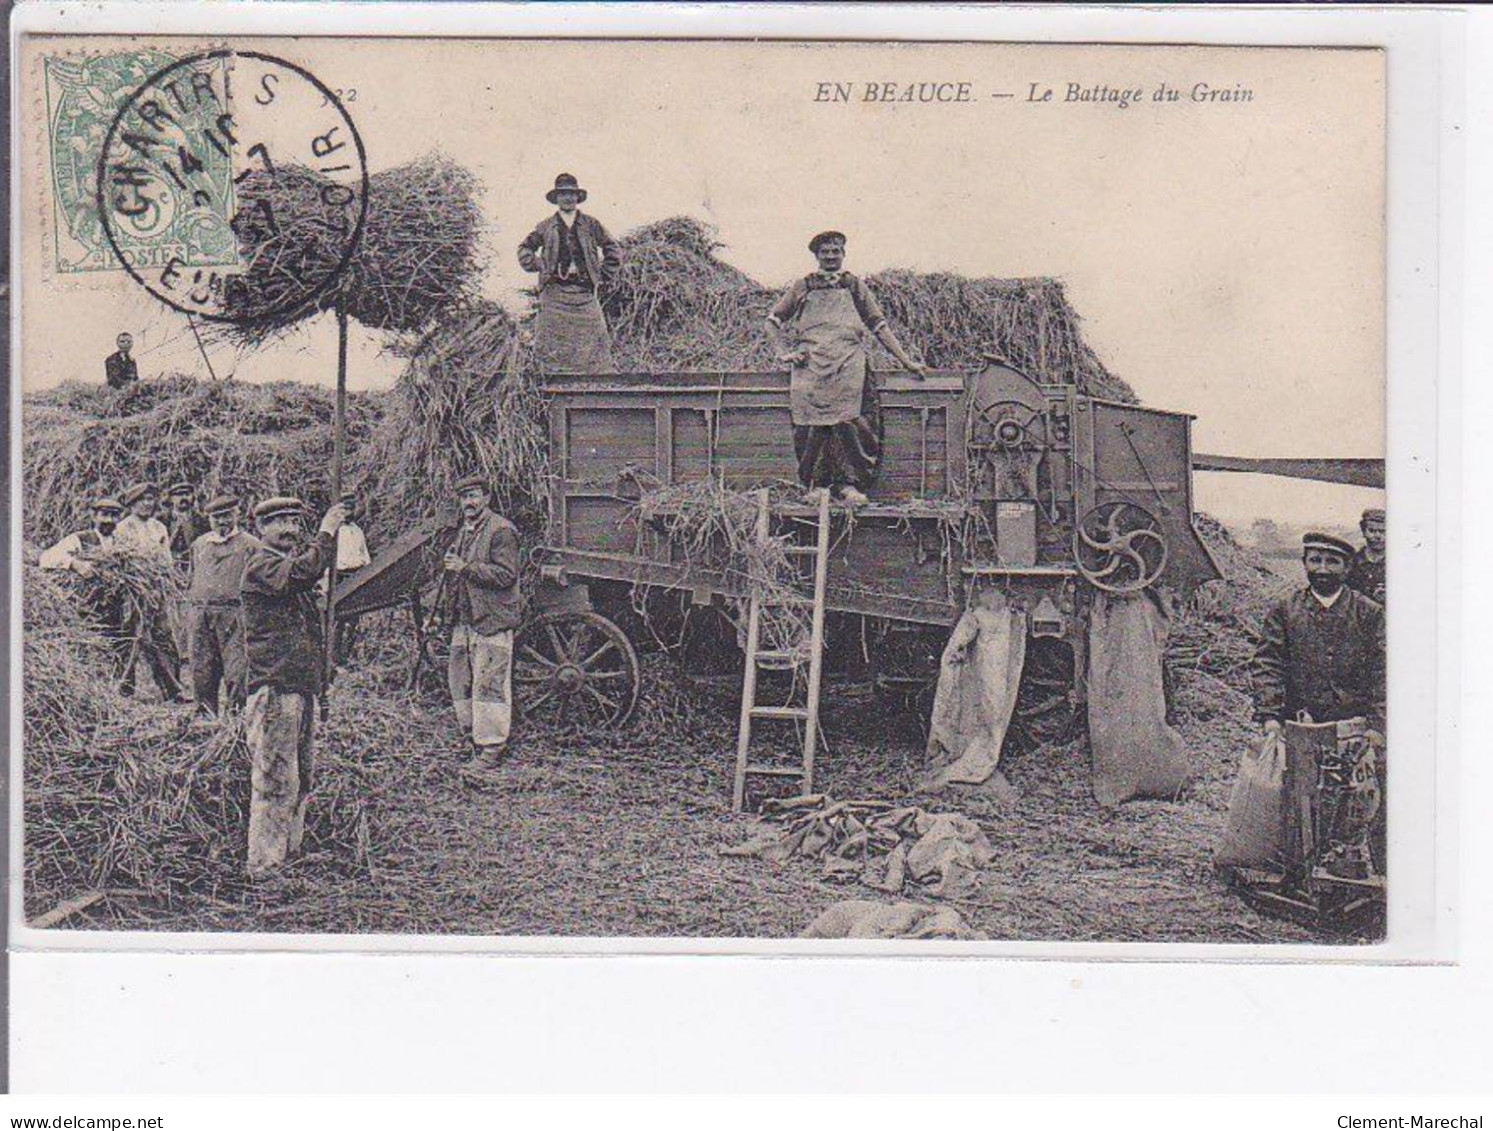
{"x":1254,"y":835}
{"x":978,"y":678}
{"x":1135,"y":753}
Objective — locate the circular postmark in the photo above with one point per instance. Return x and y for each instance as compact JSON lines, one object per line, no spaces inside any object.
{"x":233,"y":186}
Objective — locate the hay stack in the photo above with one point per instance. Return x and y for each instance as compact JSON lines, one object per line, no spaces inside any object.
{"x":251,"y":440}
{"x":417,"y":256}
{"x":676,"y":306}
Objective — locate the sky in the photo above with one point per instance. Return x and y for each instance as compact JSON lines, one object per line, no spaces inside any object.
{"x":1226,"y":258}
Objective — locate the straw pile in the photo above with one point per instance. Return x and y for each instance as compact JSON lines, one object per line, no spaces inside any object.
{"x":126,"y":797}
{"x":676,"y":306}
{"x":1213,"y":638}
{"x":250,"y":440}
{"x":416,"y":258}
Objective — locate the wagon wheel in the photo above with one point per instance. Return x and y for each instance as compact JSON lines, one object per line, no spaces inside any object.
{"x":1119,"y":547}
{"x":575,"y":669}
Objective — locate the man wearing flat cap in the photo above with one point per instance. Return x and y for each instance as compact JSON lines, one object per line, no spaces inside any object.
{"x":217,"y":658}
{"x":77,"y":554}
{"x":283,"y":650}
{"x":1321,"y":653}
{"x":821,"y":327}
{"x":483,"y":607}
{"x":141,"y":533}
{"x":183,"y":522}
{"x":575,"y":259}
{"x":1366,"y":571}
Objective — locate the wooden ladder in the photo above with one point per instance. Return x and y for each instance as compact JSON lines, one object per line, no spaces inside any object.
{"x":758,"y":658}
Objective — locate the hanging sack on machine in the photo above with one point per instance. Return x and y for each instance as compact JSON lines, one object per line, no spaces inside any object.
{"x":1135,"y":752}
{"x":977,"y":683}
{"x":1253,"y":836}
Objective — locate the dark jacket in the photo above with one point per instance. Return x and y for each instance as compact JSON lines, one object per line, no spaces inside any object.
{"x":120,"y":370}
{"x":1326,"y":662}
{"x":1367,"y":576}
{"x":603,"y":256}
{"x":184,"y":531}
{"x":282,"y":625}
{"x":485,"y":594}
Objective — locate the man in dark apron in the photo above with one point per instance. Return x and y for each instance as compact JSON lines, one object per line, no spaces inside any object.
{"x":821,"y":327}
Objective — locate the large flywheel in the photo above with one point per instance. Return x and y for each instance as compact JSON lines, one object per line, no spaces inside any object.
{"x":575,"y":670}
{"x":1120,"y":547}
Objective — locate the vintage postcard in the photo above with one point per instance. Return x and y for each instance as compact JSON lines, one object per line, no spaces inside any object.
{"x":616,"y":490}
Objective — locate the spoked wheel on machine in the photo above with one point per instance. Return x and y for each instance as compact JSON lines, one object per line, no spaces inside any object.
{"x":575,"y":669}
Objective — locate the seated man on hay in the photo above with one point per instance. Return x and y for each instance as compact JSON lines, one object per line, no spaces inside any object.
{"x":575,"y":258}
{"x":284,"y":667}
{"x":819,"y":328}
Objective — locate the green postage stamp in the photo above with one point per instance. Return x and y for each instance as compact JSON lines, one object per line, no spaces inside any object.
{"x":83,"y":95}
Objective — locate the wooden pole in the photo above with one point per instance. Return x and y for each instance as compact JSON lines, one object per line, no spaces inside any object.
{"x":339,"y":444}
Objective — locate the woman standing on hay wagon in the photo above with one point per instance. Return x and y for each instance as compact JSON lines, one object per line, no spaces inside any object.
{"x":819,"y":328}
{"x":575,"y":258}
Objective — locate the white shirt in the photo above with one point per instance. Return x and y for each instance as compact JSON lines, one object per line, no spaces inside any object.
{"x":352,"y":547}
{"x":1326,"y":602}
{"x":147,"y":536}
{"x":568,"y":218}
{"x":67,"y":551}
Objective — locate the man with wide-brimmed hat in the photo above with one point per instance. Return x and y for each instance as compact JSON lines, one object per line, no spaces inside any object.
{"x":483,"y":607}
{"x":575,"y":259}
{"x":217,"y":658}
{"x":1321,"y":651}
{"x":104,"y":606}
{"x":141,"y":533}
{"x":283,"y":650}
{"x":821,"y":328}
{"x":1366,"y":571}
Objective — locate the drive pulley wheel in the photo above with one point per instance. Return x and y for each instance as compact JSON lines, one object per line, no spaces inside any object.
{"x":1119,"y":547}
{"x":575,"y":670}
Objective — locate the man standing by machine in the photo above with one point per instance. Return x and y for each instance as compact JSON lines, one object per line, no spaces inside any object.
{"x":1321,"y":660}
{"x":483,"y":607}
{"x":352,"y":555}
{"x":1366,"y":572}
{"x":1321,"y":652}
{"x":820,"y":327}
{"x":283,"y":649}
{"x":216,"y":620}
{"x":575,"y":259}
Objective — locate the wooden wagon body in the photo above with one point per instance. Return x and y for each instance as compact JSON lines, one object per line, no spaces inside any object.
{"x":983,"y":481}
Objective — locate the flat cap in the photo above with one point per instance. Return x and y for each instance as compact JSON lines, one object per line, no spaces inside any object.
{"x":348,"y":495}
{"x":278,"y":505}
{"x":1319,"y":541}
{"x":107,"y":503}
{"x":177,"y":489}
{"x":138,"y":492}
{"x":824,"y":238}
{"x":222,"y":503}
{"x":467,"y":482}
{"x":1373,"y":514}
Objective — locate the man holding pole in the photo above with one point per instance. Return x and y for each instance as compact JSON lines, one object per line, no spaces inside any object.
{"x":283,"y":646}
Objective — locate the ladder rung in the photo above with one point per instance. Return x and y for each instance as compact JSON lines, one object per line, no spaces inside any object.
{"x":802,"y":551}
{"x":780,"y":712}
{"x":767,"y":658}
{"x":786,"y":601}
{"x":777,"y":771}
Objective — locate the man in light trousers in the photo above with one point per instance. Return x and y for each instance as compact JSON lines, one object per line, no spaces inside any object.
{"x":483,"y":607}
{"x":283,"y":643}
